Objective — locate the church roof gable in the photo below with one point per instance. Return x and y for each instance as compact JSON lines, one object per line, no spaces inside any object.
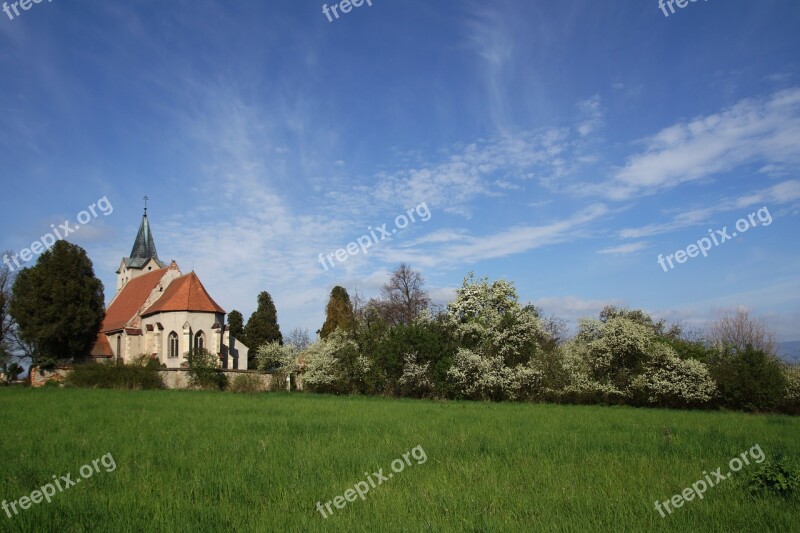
{"x":185,"y":294}
{"x":131,"y":299}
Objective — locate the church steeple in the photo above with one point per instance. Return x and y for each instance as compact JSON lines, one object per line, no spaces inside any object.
{"x":144,"y":247}
{"x":143,"y":258}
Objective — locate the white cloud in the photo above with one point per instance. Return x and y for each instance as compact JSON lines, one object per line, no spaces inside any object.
{"x":511,"y":241}
{"x":752,"y":131}
{"x":781,"y":193}
{"x":624,"y":248}
{"x":592,"y":110}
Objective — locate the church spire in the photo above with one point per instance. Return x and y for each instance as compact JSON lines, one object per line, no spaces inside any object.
{"x":144,"y":247}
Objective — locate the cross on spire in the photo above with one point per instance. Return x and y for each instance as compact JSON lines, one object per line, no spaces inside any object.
{"x":145,"y":203}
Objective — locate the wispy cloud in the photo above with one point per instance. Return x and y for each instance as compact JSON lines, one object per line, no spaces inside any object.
{"x":593,"y":112}
{"x":511,"y":241}
{"x":624,"y":249}
{"x":758,"y":130}
{"x":778,"y":194}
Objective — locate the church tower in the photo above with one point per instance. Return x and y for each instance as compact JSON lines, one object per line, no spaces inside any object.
{"x":143,"y":258}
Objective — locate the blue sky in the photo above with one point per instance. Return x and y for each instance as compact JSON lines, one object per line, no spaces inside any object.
{"x":560,"y":145}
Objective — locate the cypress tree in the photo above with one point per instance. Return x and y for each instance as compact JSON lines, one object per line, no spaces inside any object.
{"x":338,"y":313}
{"x":262,"y":328}
{"x":236,"y":326}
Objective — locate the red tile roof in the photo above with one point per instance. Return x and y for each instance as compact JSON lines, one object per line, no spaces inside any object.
{"x":185,"y":294}
{"x":101,"y":347}
{"x":132,"y":297}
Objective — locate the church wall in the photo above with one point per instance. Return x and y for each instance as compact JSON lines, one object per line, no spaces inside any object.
{"x":175,"y":321}
{"x":235,"y":351}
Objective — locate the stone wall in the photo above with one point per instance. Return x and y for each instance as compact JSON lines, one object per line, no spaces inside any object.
{"x":174,"y":378}
{"x":39,"y":378}
{"x":179,"y":378}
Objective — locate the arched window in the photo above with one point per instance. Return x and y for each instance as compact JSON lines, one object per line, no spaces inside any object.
{"x":199,"y":341}
{"x":173,"y":345}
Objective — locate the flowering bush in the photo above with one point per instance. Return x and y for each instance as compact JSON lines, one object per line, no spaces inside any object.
{"x":273,"y":356}
{"x":792,"y":401}
{"x":524,"y":383}
{"x":668,"y":381}
{"x":478,"y":377}
{"x":415,"y":381}
{"x":335,"y":365}
{"x":489,"y":319}
{"x":580,"y":386}
{"x":622,"y":359}
{"x":619,"y":351}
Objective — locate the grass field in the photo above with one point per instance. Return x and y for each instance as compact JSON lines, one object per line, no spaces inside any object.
{"x":198,"y":461}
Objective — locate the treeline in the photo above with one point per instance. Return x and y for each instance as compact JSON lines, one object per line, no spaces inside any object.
{"x":486,"y":345}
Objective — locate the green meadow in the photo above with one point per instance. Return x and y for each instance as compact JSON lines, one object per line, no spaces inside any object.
{"x":205,"y":461}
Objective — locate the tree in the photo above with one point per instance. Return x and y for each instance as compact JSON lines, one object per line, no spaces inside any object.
{"x":58,"y":305}
{"x":334,"y":365}
{"x":404,"y":297}
{"x":659,"y":328}
{"x":236,"y":326}
{"x":262,"y":328}
{"x":749,"y":379}
{"x":274,"y":356}
{"x":554,"y":329}
{"x":13,"y":371}
{"x":6,"y":322}
{"x":489,"y":320}
{"x":338,"y":313}
{"x":298,"y":339}
{"x":737,"y":330}
{"x":8,"y":367}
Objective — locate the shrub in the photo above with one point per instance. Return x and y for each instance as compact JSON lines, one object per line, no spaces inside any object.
{"x":778,"y":478}
{"x":668,"y":381}
{"x":554,"y":370}
{"x":278,"y":382}
{"x":489,"y":319}
{"x":475,"y":377}
{"x":274,"y":355}
{"x":479,"y":377}
{"x":334,"y":365}
{"x":691,"y":349}
{"x":791,"y":403}
{"x":204,"y":371}
{"x":428,"y":338}
{"x":114,"y":376}
{"x":749,"y":379}
{"x":524,"y":383}
{"x":579,"y":385}
{"x":415,"y":381}
{"x":246,"y":383}
{"x":147,"y":361}
{"x":620,"y":351}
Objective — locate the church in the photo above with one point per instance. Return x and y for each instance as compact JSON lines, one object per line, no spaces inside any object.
{"x":160,"y":312}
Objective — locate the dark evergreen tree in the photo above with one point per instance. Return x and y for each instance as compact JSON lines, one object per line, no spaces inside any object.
{"x":58,"y":305}
{"x":236,"y":326}
{"x":262,"y":328}
{"x":338,"y":313}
